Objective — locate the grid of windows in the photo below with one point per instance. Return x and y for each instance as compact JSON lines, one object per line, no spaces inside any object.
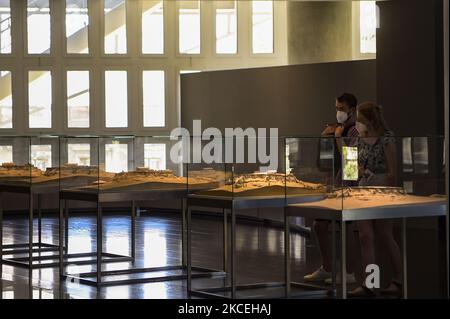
{"x":98,"y":88}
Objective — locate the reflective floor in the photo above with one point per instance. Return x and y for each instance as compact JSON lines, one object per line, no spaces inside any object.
{"x":158,"y":243}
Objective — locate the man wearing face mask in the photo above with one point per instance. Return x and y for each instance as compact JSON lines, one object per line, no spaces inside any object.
{"x":345,"y":128}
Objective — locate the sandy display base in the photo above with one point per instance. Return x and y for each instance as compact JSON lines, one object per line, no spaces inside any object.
{"x":70,"y":175}
{"x":145,"y":179}
{"x":357,"y":198}
{"x":265,"y":184}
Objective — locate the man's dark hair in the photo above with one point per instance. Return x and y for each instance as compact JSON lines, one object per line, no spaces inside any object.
{"x":348,"y":99}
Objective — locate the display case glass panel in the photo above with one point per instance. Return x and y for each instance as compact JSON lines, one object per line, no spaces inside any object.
{"x":29,"y":161}
{"x":121,"y":164}
{"x":262,"y":167}
{"x":389,"y":172}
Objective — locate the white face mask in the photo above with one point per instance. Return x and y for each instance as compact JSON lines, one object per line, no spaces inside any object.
{"x":341,"y":117}
{"x":361,"y":128}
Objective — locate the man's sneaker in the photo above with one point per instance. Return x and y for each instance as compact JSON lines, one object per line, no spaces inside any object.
{"x":350,"y":279}
{"x":319,"y":275}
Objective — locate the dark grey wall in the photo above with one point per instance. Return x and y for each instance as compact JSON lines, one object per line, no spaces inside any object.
{"x":297,"y":99}
{"x":409,"y":66}
{"x":319,"y":31}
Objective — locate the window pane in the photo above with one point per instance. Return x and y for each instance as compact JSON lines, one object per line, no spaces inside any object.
{"x":38,"y":24}
{"x":115,"y":26}
{"x":368,"y":26}
{"x":5,"y":100}
{"x":116,"y":158}
{"x":77,"y":22}
{"x":226,"y":27}
{"x":40,"y":99}
{"x":152,"y":27}
{"x":420,"y":155}
{"x":78,"y":99}
{"x":41,"y":156}
{"x":79,"y":154}
{"x":5,"y":27}
{"x":155,"y":156}
{"x":116,"y":99}
{"x":407,"y":155}
{"x":262,"y":19}
{"x":189,"y":27}
{"x":6,"y":154}
{"x":154,"y":98}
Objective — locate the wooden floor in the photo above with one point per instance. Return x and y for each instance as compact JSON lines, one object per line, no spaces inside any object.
{"x":158,"y":243}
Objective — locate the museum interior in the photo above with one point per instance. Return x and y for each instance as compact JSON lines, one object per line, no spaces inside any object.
{"x":174,"y":149}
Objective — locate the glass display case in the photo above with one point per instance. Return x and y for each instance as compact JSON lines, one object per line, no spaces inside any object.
{"x":260,"y":167}
{"x":27,"y":161}
{"x":387,"y":172}
{"x":120,"y":164}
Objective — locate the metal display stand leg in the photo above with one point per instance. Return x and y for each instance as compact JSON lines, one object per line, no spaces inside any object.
{"x":1,"y":237}
{"x":61,"y":238}
{"x":225,"y":240}
{"x":405,"y":259}
{"x":233,"y":253}
{"x":287,"y":255}
{"x":39,"y":203}
{"x":30,"y":246}
{"x":333,"y":257}
{"x":183,"y":233}
{"x":66,"y":226}
{"x":189,"y":252}
{"x":344,"y":259}
{"x":99,"y":243}
{"x":133,"y":231}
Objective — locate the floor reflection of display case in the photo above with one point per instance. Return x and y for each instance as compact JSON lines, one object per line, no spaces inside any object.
{"x":242,"y":186}
{"x":383,"y":201}
{"x":130,"y":170}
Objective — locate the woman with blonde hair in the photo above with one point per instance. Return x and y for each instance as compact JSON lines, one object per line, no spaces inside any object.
{"x":377,"y":166}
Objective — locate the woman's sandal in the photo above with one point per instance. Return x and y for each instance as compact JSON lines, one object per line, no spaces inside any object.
{"x":361,"y":292}
{"x":394,"y":289}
